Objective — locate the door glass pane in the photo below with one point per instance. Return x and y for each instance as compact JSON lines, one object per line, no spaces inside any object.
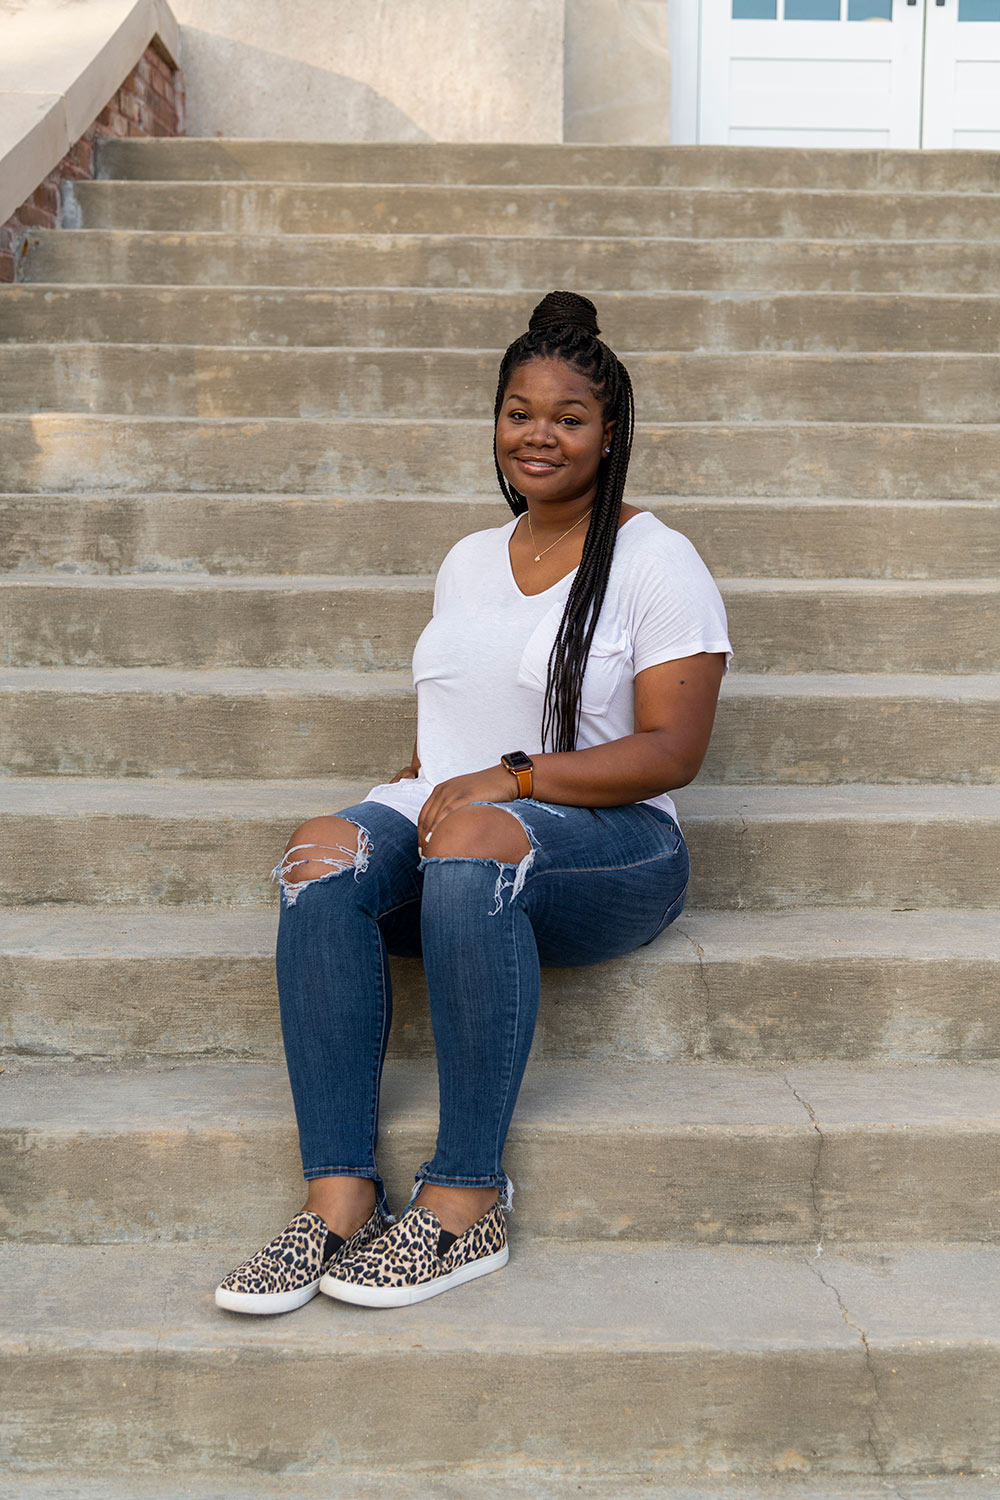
{"x":870,"y":10}
{"x":979,"y":10}
{"x":755,"y":10}
{"x":812,"y":10}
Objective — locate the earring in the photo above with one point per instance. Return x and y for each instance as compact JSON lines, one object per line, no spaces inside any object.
{"x":607,"y":450}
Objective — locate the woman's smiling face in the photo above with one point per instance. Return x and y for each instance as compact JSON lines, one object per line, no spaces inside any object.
{"x":551,"y":433}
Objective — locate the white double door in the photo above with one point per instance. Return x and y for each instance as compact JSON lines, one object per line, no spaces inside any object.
{"x":850,"y":73}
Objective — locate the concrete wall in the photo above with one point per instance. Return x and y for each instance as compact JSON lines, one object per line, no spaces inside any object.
{"x":449,"y":70}
{"x":617,"y":72}
{"x":411,"y":70}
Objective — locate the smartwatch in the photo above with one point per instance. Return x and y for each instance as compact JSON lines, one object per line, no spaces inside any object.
{"x":520,"y":766}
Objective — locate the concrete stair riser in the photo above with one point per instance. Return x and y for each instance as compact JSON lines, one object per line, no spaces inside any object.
{"x":797,"y":730}
{"x":367,"y":625}
{"x":779,"y":321}
{"x":801,"y":986}
{"x":203,"y":160}
{"x":645,"y":1337}
{"x":740,"y":213}
{"x":873,"y":461}
{"x":762,"y":849}
{"x":226,"y":535}
{"x":202,"y":381}
{"x":795,"y":1155}
{"x":603,"y":264}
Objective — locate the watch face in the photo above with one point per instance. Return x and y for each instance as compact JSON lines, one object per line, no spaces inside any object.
{"x":517,"y":761}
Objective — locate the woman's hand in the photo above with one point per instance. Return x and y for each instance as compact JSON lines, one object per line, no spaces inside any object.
{"x":492,"y":785}
{"x":410,"y":772}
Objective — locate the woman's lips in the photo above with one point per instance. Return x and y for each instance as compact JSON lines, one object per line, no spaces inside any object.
{"x":536,"y":465}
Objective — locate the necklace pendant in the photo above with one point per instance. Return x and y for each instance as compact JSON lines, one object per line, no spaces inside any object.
{"x":538,"y":559}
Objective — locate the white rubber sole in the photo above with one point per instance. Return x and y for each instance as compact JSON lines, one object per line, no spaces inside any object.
{"x":265,"y":1302}
{"x":404,"y":1296}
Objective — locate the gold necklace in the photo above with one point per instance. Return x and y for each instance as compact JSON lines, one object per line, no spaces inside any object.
{"x":540,"y":555}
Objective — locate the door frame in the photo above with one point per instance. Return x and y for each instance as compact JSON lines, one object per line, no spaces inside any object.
{"x":684,"y":40}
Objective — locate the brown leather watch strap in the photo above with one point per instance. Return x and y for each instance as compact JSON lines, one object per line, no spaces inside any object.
{"x":524,"y":781}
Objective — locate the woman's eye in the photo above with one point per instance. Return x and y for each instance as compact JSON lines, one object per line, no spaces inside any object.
{"x":571,"y":421}
{"x":517,"y":416}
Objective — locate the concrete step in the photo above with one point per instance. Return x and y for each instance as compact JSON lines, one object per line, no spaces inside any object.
{"x":257,"y":723}
{"x":506,"y":262}
{"x":213,"y":843}
{"x":210,"y":381}
{"x":371,"y":624}
{"x":800,"y":1154}
{"x":457,"y":1483}
{"x":88,"y":721}
{"x":236,"y":535}
{"x":243,"y":722}
{"x":390,"y":318}
{"x":748,"y":987}
{"x":872,"y":460}
{"x":223,"y":160}
{"x":572,"y":1362}
{"x":254,"y":208}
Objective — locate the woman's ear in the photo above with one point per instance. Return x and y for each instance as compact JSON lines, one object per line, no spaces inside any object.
{"x":609,"y":432}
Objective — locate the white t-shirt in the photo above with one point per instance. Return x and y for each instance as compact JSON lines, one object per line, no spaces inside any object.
{"x":479,"y":667}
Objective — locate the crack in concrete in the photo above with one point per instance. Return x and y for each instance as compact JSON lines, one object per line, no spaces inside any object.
{"x":704,"y":1043}
{"x":817,"y":1164}
{"x":741,"y":863}
{"x":879,"y":1422}
{"x":880,"y":1428}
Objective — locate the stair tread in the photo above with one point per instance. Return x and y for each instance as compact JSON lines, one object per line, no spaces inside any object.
{"x":464,"y":297}
{"x":443,"y":158}
{"x":191,"y":797}
{"x":489,"y":500}
{"x":134,"y":187}
{"x":422,"y":582}
{"x":608,"y":1483}
{"x":554,"y":1300}
{"x":577,"y":1098}
{"x":70,"y":933}
{"x":286,"y":681}
{"x":41,"y":420}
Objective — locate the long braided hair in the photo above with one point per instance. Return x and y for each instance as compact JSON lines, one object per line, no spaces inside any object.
{"x":564,"y":326}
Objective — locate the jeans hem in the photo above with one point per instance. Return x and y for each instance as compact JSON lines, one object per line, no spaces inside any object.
{"x":498,"y":1180}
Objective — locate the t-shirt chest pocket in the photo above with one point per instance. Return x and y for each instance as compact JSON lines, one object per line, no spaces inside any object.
{"x":609,"y":658}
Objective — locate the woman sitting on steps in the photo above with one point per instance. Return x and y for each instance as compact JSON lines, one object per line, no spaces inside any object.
{"x":585,"y":626}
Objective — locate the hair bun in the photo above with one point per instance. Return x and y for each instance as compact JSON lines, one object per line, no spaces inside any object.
{"x":564,"y":310}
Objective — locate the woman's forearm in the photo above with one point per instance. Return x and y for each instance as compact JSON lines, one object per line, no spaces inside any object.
{"x":627,"y":770}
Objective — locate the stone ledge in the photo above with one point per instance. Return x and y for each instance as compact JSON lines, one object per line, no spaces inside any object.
{"x":60,"y":67}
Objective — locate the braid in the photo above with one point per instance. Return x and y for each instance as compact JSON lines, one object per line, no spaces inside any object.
{"x":564,"y":326}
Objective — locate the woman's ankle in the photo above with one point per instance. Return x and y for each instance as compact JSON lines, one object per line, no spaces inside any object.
{"x":344,"y":1202}
{"x":457,"y":1208}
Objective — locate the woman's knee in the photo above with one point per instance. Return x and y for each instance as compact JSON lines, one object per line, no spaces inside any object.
{"x":480,"y":833}
{"x":319,"y":846}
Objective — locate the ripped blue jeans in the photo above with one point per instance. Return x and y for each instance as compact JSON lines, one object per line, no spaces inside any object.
{"x":595,"y":884}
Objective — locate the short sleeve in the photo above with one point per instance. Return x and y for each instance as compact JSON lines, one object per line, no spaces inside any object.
{"x":674,"y":605}
{"x":447,"y":574}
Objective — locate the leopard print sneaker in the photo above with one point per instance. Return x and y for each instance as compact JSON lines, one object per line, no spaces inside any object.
{"x":416,"y":1259}
{"x":286,"y":1273}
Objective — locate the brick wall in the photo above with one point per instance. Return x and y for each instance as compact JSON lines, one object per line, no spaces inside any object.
{"x":149,"y":102}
